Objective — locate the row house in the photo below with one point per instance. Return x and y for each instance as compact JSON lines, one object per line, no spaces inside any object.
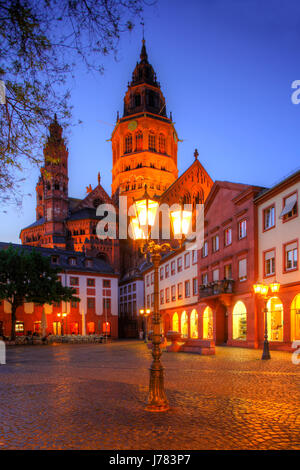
{"x":95,"y":283}
{"x":227,"y":266}
{"x":178,"y":291}
{"x":278,"y":247}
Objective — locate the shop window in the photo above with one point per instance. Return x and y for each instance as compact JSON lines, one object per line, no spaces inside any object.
{"x":91,"y":328}
{"x":269,"y":217}
{"x":37,"y":327}
{"x":275,"y":319}
{"x":239,"y":320}
{"x":175,"y":322}
{"x":208,"y":323}
{"x":269,"y":263}
{"x":106,"y":328}
{"x":74,"y":328}
{"x":194,"y":324}
{"x":295,"y":319}
{"x":184,"y":325}
{"x":57,"y":328}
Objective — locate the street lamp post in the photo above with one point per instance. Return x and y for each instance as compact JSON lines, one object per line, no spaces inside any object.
{"x":62,"y":316}
{"x":263,"y":289}
{"x":145,"y":313}
{"x":141,"y":224}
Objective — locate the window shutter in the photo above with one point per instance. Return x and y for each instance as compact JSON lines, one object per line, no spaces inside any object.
{"x":243,"y":268}
{"x":270,"y":255}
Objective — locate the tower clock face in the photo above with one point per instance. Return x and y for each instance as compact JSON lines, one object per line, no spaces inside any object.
{"x":132,"y":125}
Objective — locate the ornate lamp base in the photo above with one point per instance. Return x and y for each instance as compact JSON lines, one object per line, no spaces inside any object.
{"x":266,"y":351}
{"x":157,"y":398}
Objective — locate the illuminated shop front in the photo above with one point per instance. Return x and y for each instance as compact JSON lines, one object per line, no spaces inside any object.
{"x":239,"y":320}
{"x":194,"y":324}
{"x":295,"y":318}
{"x":208,"y":323}
{"x":275,"y":319}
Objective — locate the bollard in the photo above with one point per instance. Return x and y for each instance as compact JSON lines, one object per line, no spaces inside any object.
{"x":2,"y":352}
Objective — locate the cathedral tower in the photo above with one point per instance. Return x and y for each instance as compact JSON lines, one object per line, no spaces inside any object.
{"x":52,"y":187}
{"x":144,"y":140}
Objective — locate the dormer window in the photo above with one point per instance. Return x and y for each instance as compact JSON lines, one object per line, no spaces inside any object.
{"x":55,"y":259}
{"x":72,"y":261}
{"x":89,"y":263}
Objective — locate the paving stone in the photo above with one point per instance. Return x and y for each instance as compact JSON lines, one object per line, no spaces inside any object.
{"x":92,"y":396}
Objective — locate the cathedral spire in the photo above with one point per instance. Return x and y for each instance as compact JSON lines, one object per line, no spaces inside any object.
{"x":144,"y":55}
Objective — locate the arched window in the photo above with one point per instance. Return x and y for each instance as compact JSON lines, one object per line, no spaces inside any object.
{"x":162,"y":143}
{"x":275,"y":319}
{"x":239,"y":321}
{"x":175,"y":322}
{"x":139,"y":141}
{"x":184,"y":325}
{"x":152,"y":143}
{"x":128,"y":143}
{"x":208,"y":323}
{"x":295,"y":318}
{"x":194,"y":324}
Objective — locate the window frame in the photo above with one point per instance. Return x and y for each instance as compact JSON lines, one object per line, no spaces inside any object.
{"x":271,"y":206}
{"x":285,"y":270}
{"x":297,"y":203}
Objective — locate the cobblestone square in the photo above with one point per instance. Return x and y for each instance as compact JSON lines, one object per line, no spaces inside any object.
{"x":92,"y":397}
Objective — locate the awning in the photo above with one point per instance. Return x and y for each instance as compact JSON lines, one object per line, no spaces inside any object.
{"x":290,"y":203}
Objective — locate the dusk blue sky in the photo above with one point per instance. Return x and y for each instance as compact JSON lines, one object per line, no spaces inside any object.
{"x":225,"y":68}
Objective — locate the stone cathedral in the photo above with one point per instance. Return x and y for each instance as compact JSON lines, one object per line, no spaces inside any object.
{"x":144,"y":151}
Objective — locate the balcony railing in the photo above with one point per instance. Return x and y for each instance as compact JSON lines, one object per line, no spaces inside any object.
{"x":216,"y":288}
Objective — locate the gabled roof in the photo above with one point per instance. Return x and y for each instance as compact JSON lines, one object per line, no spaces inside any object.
{"x":241,"y":188}
{"x":177,"y":182}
